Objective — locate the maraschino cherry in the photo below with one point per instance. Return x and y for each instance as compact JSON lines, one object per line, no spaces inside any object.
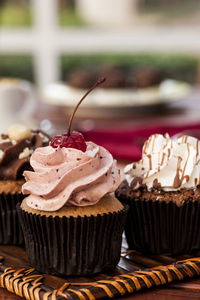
{"x":74,"y":139}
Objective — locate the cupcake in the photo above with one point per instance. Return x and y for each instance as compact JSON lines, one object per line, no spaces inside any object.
{"x":71,"y":220}
{"x":16,"y":148}
{"x":163,"y":193}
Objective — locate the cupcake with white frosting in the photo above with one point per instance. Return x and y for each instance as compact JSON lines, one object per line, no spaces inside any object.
{"x":163,"y":192}
{"x":71,"y":220}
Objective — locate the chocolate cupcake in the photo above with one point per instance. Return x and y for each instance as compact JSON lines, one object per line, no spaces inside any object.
{"x":72,"y":223}
{"x":163,"y":193}
{"x":16,"y":148}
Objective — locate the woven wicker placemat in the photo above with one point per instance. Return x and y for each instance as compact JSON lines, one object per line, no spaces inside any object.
{"x":28,"y":283}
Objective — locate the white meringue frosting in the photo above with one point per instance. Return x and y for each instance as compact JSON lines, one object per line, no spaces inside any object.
{"x":166,"y":163}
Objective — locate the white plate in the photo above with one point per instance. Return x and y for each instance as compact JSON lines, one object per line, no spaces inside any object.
{"x":109,"y":102}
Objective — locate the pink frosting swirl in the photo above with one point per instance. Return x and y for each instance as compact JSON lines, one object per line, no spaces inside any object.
{"x":69,"y":176}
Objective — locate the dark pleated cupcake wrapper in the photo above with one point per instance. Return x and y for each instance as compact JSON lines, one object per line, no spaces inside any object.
{"x":73,"y":246}
{"x":162,"y":228}
{"x":10,"y":229}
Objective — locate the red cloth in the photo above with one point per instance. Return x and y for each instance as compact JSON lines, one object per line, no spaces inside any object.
{"x":127,"y":143}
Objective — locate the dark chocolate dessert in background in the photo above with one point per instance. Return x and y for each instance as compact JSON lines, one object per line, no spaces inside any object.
{"x":144,"y":77}
{"x":82,"y":78}
{"x":117,"y":77}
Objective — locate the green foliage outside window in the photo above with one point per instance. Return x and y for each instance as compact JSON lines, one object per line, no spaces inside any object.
{"x":173,"y":66}
{"x":15,"y":15}
{"x":180,"y":67}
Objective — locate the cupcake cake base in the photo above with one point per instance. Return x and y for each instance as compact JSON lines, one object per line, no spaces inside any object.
{"x":161,"y":227}
{"x":10,"y":229}
{"x":74,"y":240}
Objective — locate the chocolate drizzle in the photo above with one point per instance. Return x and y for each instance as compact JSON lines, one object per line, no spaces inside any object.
{"x":173,"y":163}
{"x":150,"y":162}
{"x":163,"y":158}
{"x":11,"y":166}
{"x":177,"y":180}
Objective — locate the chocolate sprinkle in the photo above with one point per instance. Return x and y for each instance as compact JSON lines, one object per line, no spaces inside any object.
{"x":156,"y":193}
{"x":135,"y":181}
{"x":156,"y":184}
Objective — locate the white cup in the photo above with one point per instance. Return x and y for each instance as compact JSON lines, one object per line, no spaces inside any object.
{"x":17,"y":102}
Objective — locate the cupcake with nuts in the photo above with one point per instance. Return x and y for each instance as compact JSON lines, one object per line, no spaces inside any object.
{"x":163,"y":193}
{"x":78,"y":222}
{"x":16,"y":148}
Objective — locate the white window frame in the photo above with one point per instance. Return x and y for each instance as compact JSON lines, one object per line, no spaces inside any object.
{"x":46,"y":40}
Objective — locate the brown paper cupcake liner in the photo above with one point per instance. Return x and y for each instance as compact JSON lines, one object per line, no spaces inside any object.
{"x":10,"y":229}
{"x":73,"y":246}
{"x":162,"y":228}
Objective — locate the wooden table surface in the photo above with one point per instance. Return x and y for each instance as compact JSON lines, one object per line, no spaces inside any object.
{"x":183,"y":112}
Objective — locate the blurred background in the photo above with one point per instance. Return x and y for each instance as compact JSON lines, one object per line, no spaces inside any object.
{"x":52,"y":51}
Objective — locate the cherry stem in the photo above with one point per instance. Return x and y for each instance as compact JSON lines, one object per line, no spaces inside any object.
{"x":100,"y":81}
